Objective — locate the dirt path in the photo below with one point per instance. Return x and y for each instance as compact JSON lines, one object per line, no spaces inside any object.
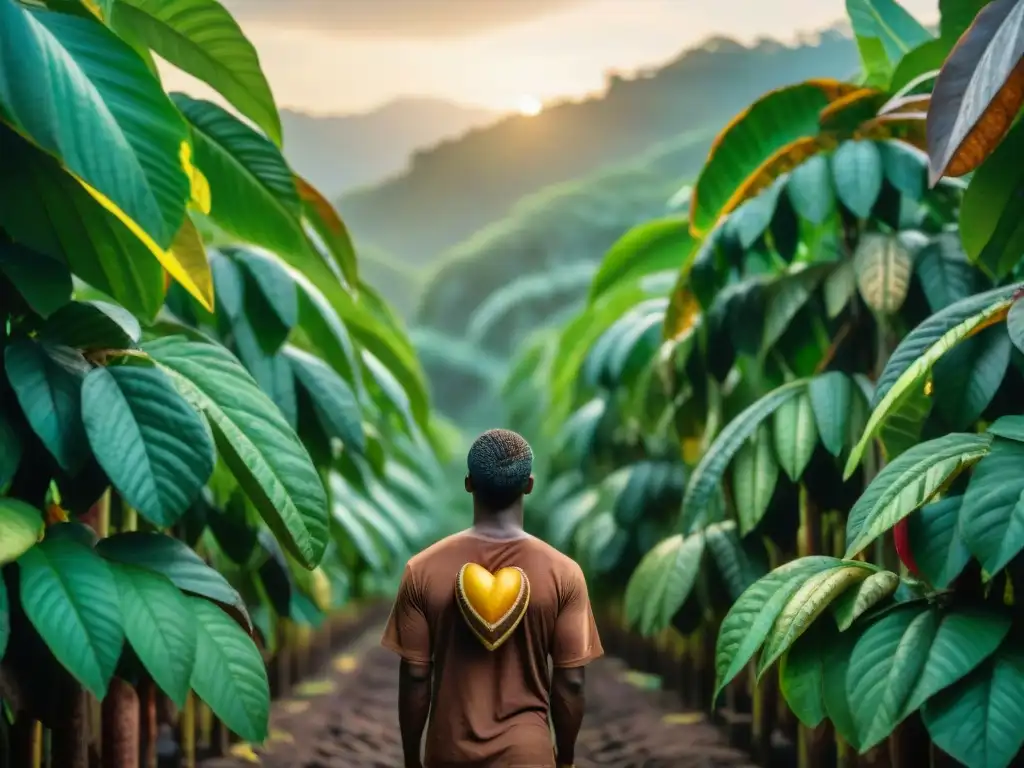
{"x":348,"y":719}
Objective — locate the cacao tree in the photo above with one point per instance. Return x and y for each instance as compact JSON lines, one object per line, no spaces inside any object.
{"x":210,"y":427}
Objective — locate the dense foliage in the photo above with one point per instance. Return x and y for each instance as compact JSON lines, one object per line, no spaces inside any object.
{"x":209,"y":425}
{"x":800,"y":436}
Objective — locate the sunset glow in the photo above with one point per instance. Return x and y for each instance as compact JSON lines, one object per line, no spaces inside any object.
{"x":530,"y":106}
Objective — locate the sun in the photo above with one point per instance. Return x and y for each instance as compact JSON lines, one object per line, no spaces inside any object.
{"x":530,"y":106}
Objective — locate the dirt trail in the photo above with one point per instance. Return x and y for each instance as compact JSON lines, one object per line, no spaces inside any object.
{"x":347,"y":718}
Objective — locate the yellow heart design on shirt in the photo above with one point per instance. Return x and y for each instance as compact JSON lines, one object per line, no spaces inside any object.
{"x":492,"y":604}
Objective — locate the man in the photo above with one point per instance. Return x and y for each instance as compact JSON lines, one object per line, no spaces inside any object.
{"x":490,"y":708}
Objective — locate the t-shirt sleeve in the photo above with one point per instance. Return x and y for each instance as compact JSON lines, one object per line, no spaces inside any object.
{"x":407,"y":632}
{"x":576,"y":641}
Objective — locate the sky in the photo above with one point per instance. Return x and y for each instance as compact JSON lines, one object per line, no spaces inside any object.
{"x":343,"y":56}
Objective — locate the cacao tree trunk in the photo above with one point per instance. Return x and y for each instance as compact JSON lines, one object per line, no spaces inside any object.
{"x":69,"y":741}
{"x":120,"y":743}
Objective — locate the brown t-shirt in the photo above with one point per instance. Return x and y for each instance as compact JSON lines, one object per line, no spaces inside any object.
{"x":490,"y":708}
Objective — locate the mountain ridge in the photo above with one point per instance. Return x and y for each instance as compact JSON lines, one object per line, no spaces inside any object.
{"x":338,"y":153}
{"x":460,"y":185}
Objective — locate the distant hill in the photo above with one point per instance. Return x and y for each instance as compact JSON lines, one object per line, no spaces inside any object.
{"x":340,"y":152}
{"x":462,"y":185}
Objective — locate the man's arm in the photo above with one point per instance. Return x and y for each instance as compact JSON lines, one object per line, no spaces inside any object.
{"x":413,"y":708}
{"x":408,"y":635}
{"x":576,"y":644}
{"x":567,"y":704}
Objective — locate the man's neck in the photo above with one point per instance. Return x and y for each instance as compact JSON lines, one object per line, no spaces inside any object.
{"x":505,"y":523}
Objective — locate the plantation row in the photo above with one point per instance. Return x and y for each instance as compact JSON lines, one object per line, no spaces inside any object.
{"x":212,"y":432}
{"x":785,"y":438}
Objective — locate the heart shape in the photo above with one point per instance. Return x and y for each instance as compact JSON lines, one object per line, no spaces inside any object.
{"x":492,"y":604}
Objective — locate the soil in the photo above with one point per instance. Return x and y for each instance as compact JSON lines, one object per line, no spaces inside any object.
{"x":348,"y":718}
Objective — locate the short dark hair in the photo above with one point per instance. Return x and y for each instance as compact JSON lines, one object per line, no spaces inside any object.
{"x":499,"y":464}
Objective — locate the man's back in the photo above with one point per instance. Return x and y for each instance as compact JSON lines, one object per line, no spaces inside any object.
{"x":490,"y":708}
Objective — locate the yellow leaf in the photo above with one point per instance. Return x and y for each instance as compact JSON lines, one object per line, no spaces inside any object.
{"x":199,"y":187}
{"x":94,"y":8}
{"x":243,"y":751}
{"x":315,"y":688}
{"x":295,"y":707}
{"x":189,"y":255}
{"x":320,"y":589}
{"x":276,"y":734}
{"x":185,"y":243}
{"x":683,"y":718}
{"x":345,"y":663}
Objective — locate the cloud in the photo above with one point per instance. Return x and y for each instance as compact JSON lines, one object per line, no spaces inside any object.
{"x":395,"y":18}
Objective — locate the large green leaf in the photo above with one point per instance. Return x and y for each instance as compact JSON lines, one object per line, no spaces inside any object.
{"x":325,"y":222}
{"x":229,"y":674}
{"x":101,"y":111}
{"x":992,"y":514}
{"x":271,"y":297}
{"x":69,"y":595}
{"x":945,"y":274}
{"x":92,"y":325}
{"x":154,"y":447}
{"x":864,"y":595}
{"x":936,"y":543}
{"x":160,"y":625}
{"x":906,"y":168}
{"x":909,"y":655}
{"x":858,"y":175}
{"x":883,"y":267}
{"x":201,"y":38}
{"x":955,"y":16}
{"x":766,"y":129}
{"x":836,"y":663}
{"x":270,"y":370}
{"x":650,"y":247}
{"x":912,"y":360}
{"x":965,"y":637}
{"x":326,"y":334}
{"x":831,"y":395}
{"x":909,"y":481}
{"x":705,"y":482}
{"x":751,"y":617}
{"x":673,"y":581}
{"x":810,"y":190}
{"x":885,"y":32}
{"x":251,"y":185}
{"x":976,"y":720}
{"x":176,"y":561}
{"x":786,"y":297}
{"x":968,"y":376}
{"x":21,"y":526}
{"x":263,"y":452}
{"x":992,"y":211}
{"x":754,"y":474}
{"x":796,"y":434}
{"x":47,"y":381}
{"x":738,"y":566}
{"x":802,"y":674}
{"x":977,"y":94}
{"x":43,"y":282}
{"x":884,"y":665}
{"x":42,"y":207}
{"x":336,"y":405}
{"x":1015,"y":324}
{"x":806,"y":604}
